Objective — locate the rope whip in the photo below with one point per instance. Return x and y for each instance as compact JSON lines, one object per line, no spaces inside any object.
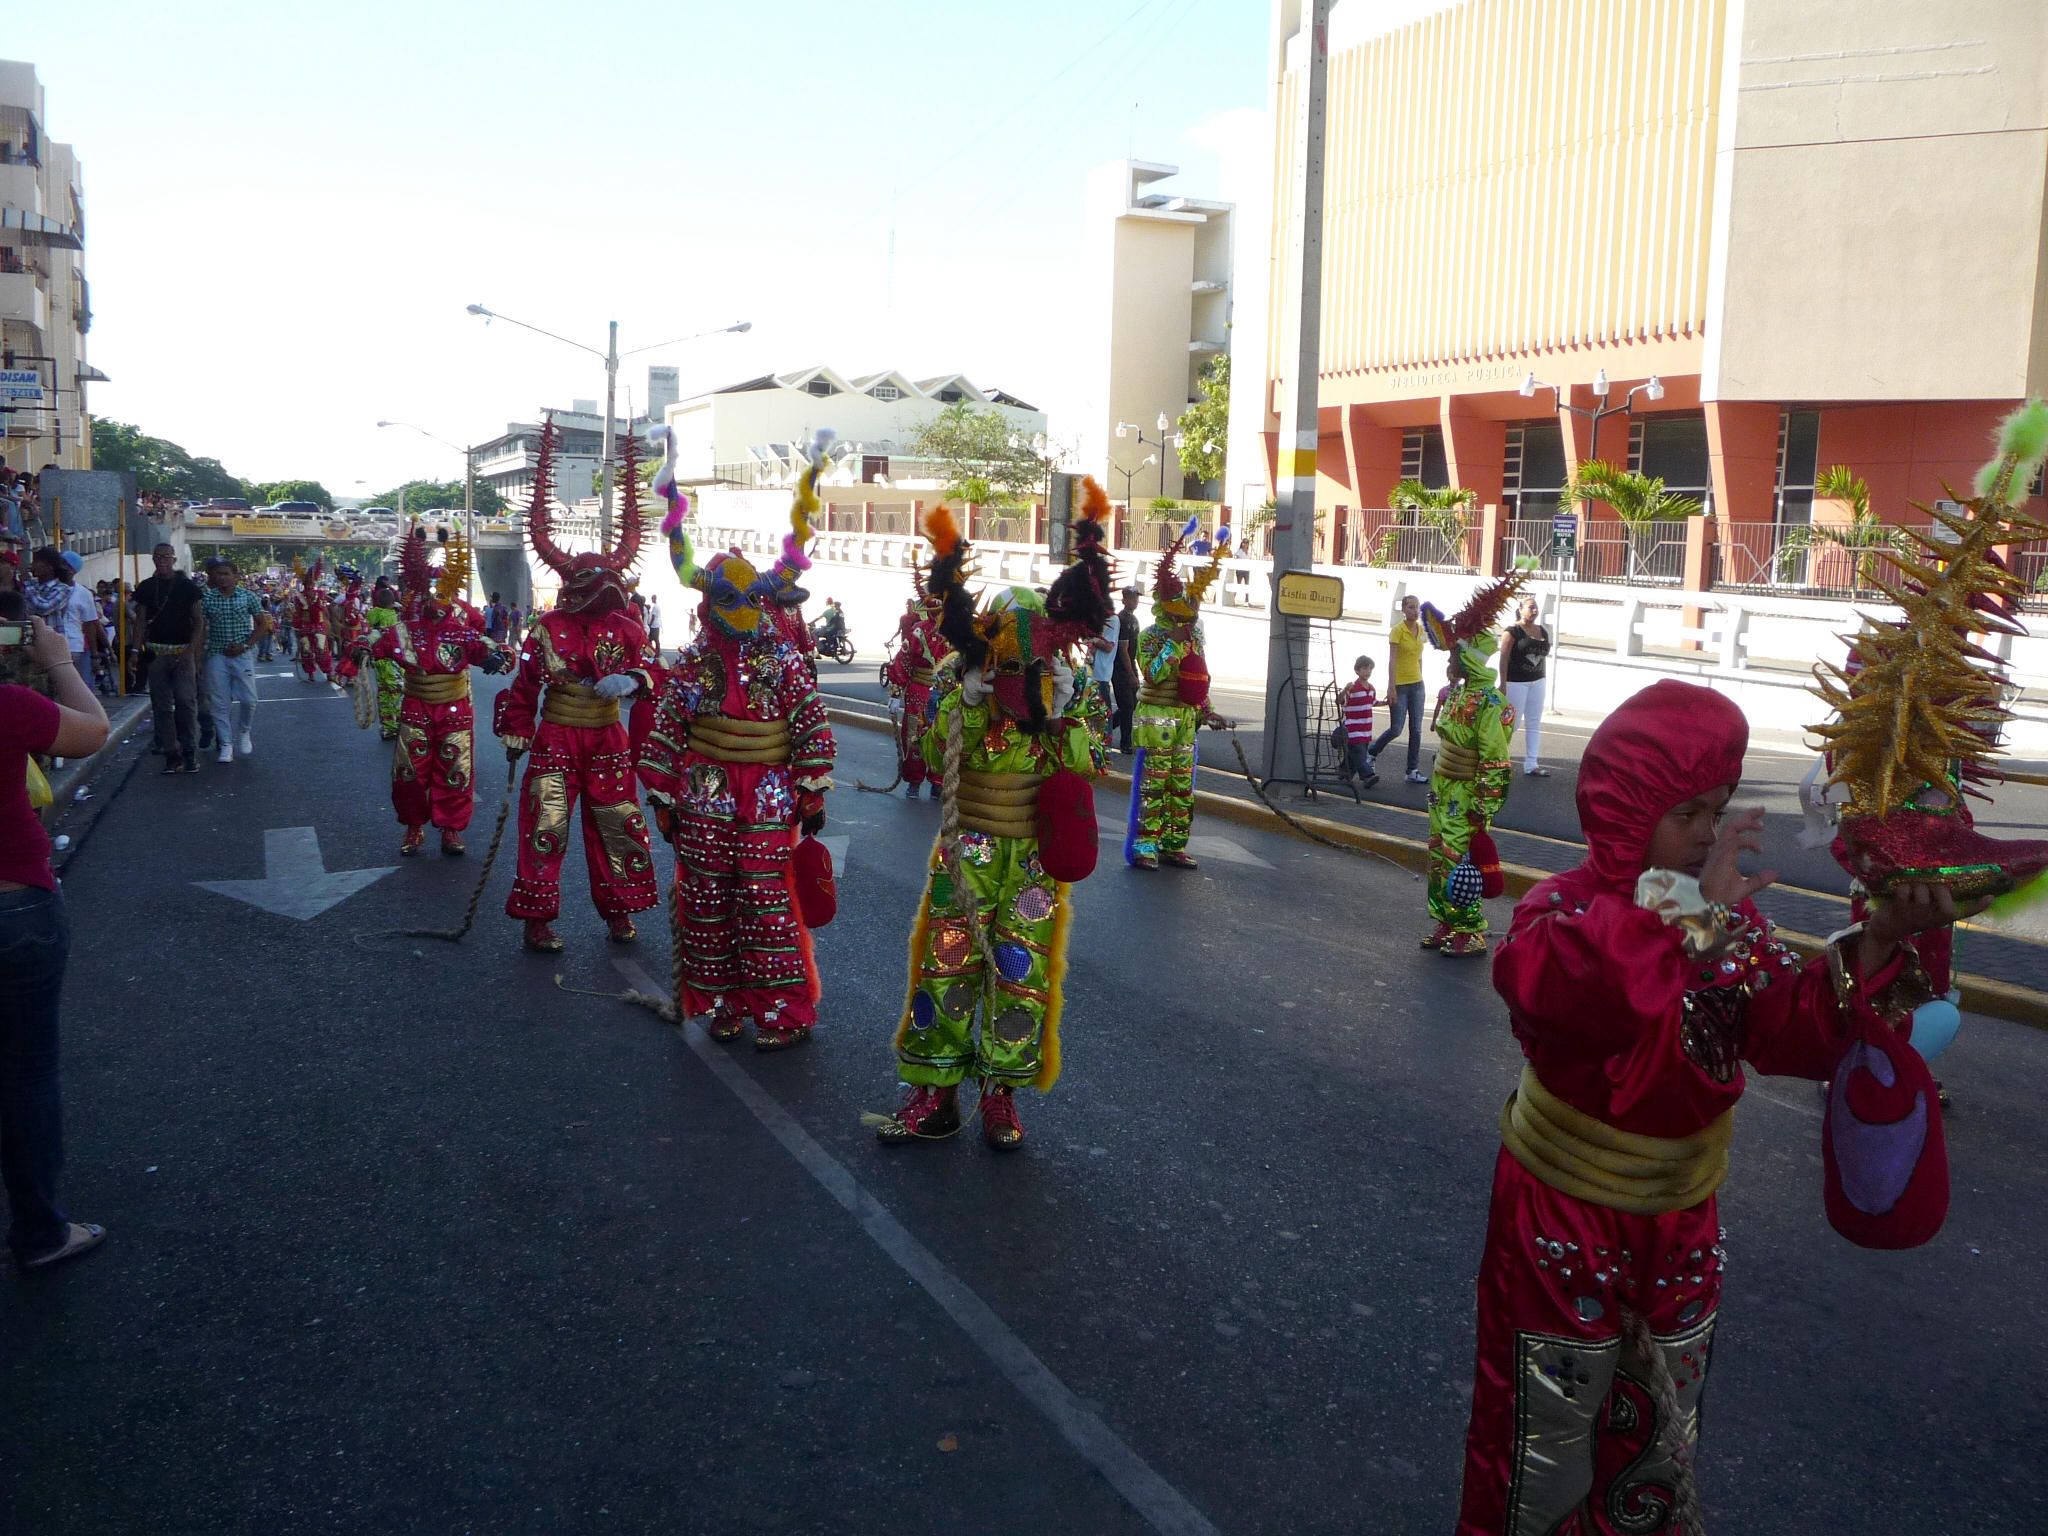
{"x":457,"y":935}
{"x":1305,"y":830}
{"x":896,"y":722}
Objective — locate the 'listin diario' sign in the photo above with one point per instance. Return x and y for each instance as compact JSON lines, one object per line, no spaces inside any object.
{"x":1305,"y":595}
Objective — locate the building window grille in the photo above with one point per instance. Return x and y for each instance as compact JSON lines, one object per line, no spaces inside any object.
{"x":820,"y":387}
{"x":886,"y":392}
{"x":1423,"y":458}
{"x":950,"y":395}
{"x":1798,"y":464}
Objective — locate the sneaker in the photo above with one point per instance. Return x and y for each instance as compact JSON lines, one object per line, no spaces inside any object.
{"x":245,"y":745}
{"x":174,"y":765}
{"x":928,"y":1114}
{"x":909,"y":790}
{"x":415,"y":837}
{"x":1000,"y":1127}
{"x":191,"y":765}
{"x":227,"y":754}
{"x":1417,"y":776}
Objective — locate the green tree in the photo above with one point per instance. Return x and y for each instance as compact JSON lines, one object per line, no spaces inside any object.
{"x":1204,"y":427}
{"x":986,"y":460}
{"x":1865,"y":534}
{"x":161,"y":467}
{"x":1446,"y":508}
{"x":438,"y":496}
{"x":1639,"y":500}
{"x":265,"y":493}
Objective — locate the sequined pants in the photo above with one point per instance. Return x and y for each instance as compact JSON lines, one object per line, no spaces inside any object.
{"x":314,"y":655}
{"x":953,"y":983}
{"x":1162,"y":780}
{"x":738,"y":937}
{"x":433,"y":767}
{"x":1451,"y":803}
{"x":569,"y":762}
{"x":910,"y":733}
{"x":1564,"y":1435}
{"x":390,"y":694}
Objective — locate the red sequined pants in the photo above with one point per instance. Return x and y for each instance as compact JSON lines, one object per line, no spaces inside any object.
{"x":737,"y":934}
{"x":1564,"y":1436}
{"x":910,"y":731}
{"x":314,"y":655}
{"x":594,"y":764}
{"x":433,"y":767}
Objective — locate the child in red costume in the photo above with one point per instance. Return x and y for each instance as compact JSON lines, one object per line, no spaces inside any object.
{"x":1637,"y":984}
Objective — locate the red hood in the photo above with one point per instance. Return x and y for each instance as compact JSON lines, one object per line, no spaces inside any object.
{"x":1660,"y":747}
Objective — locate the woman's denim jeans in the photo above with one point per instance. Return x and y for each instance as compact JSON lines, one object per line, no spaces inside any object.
{"x":35,"y":939}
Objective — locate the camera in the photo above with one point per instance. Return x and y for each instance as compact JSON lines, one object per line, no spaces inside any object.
{"x":13,"y":636}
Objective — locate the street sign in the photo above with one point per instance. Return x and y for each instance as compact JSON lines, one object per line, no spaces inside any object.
{"x":20,"y":384}
{"x":1304,"y":595}
{"x":1564,"y":534}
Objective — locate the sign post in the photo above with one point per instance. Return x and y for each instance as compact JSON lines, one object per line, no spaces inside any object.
{"x":1564,"y":545}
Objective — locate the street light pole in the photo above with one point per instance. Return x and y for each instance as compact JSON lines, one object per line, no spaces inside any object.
{"x":468,"y":494}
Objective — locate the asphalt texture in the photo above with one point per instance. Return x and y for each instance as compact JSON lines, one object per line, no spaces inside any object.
{"x":403,"y":1238}
{"x":1539,"y":825}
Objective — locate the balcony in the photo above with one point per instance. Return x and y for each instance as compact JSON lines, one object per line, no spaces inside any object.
{"x":22,"y":298}
{"x":20,"y":187}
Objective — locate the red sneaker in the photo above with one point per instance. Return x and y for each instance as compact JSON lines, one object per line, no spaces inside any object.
{"x":541,"y":937}
{"x":620,"y":929}
{"x":452,"y":844}
{"x":415,"y":839}
{"x":1437,"y":936}
{"x":928,"y":1114}
{"x":1000,"y":1127}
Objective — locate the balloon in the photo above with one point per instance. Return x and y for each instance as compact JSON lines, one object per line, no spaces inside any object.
{"x":1464,"y":885}
{"x":1934,"y":1026}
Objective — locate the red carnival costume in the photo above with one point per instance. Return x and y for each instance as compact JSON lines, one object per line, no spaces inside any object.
{"x":306,"y":612}
{"x":1635,"y":1002}
{"x":345,"y":625}
{"x":920,"y":647}
{"x":736,"y":766}
{"x":578,"y":661}
{"x":433,"y":767}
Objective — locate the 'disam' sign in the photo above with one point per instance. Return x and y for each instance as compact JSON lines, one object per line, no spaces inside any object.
{"x":1306,"y":595}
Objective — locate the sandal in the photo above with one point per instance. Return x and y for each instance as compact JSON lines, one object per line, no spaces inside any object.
{"x":82,"y":1237}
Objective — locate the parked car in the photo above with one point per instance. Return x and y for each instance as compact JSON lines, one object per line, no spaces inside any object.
{"x":228,"y":504}
{"x":296,"y":509}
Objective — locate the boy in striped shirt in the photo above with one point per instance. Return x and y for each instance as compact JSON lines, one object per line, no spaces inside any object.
{"x":1359,"y":702}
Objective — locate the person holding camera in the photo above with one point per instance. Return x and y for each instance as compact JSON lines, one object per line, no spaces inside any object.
{"x":35,"y":942}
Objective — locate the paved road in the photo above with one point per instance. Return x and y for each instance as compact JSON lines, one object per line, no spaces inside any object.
{"x":405,"y":1239}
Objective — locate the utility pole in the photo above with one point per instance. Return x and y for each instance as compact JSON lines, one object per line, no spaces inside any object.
{"x":611,"y":391}
{"x":1294,"y":520}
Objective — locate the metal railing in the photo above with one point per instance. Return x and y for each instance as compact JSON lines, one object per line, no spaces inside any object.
{"x":1800,"y":558}
{"x":1525,"y":539}
{"x":1650,"y":555}
{"x":1381,"y":536}
{"x":2030,"y":565}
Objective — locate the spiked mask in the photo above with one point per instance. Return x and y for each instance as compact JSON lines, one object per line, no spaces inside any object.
{"x":596,"y":582}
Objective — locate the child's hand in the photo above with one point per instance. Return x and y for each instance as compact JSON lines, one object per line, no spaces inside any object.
{"x":1721,"y":878}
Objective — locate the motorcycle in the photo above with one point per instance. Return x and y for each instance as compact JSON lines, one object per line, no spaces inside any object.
{"x":834,"y":643}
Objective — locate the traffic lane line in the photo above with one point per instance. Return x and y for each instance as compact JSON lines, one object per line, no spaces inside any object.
{"x":1158,"y":1501}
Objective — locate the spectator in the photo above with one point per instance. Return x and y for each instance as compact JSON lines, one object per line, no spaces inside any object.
{"x":55,"y":597}
{"x":496,"y":620}
{"x":1522,"y":669}
{"x":517,"y":623}
{"x":169,"y":614}
{"x":1404,"y":705}
{"x":654,"y":624}
{"x":1125,"y":676}
{"x":1102,"y":668}
{"x":35,"y":941}
{"x":10,"y":507}
{"x":231,"y":616}
{"x":88,"y":636}
{"x":1359,"y":701}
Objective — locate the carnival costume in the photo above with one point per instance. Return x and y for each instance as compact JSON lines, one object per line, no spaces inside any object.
{"x":1173,"y":706}
{"x":345,"y":625}
{"x":920,"y":647}
{"x":378,"y":619}
{"x":1470,"y":777}
{"x":1635,"y":1000}
{"x":578,"y":661}
{"x":737,"y":765}
{"x":307,"y":610}
{"x":1013,"y":748}
{"x":432,"y":648}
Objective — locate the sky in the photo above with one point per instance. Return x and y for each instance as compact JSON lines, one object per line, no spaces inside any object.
{"x":289,"y":207}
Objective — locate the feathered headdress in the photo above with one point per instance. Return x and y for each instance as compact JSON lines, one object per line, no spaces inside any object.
{"x":453,"y":581}
{"x":415,"y":570}
{"x":1468,"y":633}
{"x":1166,"y":583}
{"x":734,"y":591}
{"x":1919,"y":709}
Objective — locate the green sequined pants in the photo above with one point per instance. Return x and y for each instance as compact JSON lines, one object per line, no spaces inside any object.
{"x":1451,"y":803}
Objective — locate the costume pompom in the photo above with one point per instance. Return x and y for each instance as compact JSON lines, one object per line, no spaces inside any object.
{"x":1094,"y":500}
{"x":942,"y":530}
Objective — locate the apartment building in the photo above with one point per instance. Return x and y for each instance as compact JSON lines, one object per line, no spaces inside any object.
{"x":45,"y":307}
{"x":1726,"y":242}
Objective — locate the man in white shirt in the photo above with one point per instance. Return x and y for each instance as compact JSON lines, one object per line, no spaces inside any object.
{"x":83,"y":628}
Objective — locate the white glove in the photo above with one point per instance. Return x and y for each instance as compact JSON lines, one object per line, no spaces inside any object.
{"x":617,"y":686}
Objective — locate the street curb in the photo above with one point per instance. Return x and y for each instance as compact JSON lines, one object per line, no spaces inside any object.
{"x":1981,"y":994}
{"x":76,"y":771}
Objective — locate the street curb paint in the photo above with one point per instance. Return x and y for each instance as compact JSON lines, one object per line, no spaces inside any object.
{"x":1981,"y":994}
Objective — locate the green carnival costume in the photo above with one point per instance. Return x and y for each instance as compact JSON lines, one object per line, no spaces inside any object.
{"x":1469,"y":780}
{"x":379,"y":617}
{"x":1173,"y":705}
{"x":1013,"y":748}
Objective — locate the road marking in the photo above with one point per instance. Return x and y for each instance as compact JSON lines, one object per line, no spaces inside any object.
{"x":837,"y":846}
{"x":1157,"y":1500}
{"x":295,"y":883}
{"x":1208,"y":846}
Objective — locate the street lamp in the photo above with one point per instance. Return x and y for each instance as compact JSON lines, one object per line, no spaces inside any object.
{"x":1129,"y":474}
{"x":1596,"y":414}
{"x":611,"y":356}
{"x":468,"y":489}
{"x":1128,"y":428}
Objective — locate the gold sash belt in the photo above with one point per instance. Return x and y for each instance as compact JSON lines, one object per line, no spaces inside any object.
{"x":1456,"y":762}
{"x":578,"y":704}
{"x":437,"y":687}
{"x":1160,"y":693}
{"x":740,"y":741}
{"x":1000,"y":804}
{"x":922,"y":676}
{"x":1591,"y":1160}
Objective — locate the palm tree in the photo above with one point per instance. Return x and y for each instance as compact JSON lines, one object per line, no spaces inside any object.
{"x":1639,"y":500}
{"x":1447,"y":509}
{"x":1865,"y":532}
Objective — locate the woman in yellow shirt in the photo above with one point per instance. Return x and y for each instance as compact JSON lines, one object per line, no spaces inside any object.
{"x":1404,"y":703}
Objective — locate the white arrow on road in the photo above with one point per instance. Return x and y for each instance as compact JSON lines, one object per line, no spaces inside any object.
{"x":294,"y":882}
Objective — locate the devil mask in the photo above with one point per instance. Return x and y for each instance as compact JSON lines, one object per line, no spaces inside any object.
{"x":591,"y":583}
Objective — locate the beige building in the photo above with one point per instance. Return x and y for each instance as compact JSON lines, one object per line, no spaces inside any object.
{"x":1158,"y":271}
{"x":1782,"y":234}
{"x":45,"y":310}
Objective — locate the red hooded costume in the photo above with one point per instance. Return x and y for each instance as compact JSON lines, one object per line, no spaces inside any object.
{"x":1603,"y":1232}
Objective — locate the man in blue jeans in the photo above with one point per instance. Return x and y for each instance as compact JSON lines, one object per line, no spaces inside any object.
{"x":35,"y":941}
{"x":234,"y":616}
{"x":1404,"y":698}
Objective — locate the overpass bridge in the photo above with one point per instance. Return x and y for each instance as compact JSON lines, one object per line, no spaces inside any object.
{"x":501,"y":562}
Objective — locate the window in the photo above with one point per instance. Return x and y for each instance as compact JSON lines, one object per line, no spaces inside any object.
{"x":1798,"y":464}
{"x":1422,"y":457}
{"x":950,"y":395}
{"x":821,"y":388}
{"x":886,"y":392}
{"x":1673,"y":449}
{"x":1536,"y":486}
